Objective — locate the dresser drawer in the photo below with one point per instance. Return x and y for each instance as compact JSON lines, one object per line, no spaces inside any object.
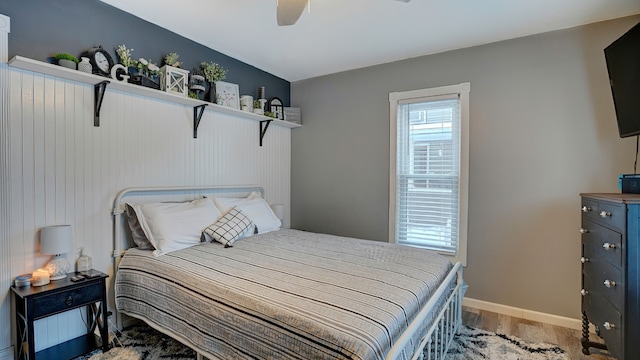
{"x":608,"y":214}
{"x":602,"y":312}
{"x":56,"y":302}
{"x":607,"y":280}
{"x":601,"y":243}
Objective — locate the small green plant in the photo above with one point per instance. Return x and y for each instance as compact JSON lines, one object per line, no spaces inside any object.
{"x":256,"y":104}
{"x":171,"y":59}
{"x":147,"y":67}
{"x":125,"y":56}
{"x":269,"y":114}
{"x":65,"y":56}
{"x":193,"y":95}
{"x":213,"y":72}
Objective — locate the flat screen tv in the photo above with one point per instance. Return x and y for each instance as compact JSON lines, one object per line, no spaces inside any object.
{"x":623,"y":64}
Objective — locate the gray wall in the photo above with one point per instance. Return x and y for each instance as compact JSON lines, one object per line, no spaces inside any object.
{"x":42,"y":28}
{"x":542,"y":130}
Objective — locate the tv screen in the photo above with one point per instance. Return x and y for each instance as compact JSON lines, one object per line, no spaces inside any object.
{"x":623,"y":64}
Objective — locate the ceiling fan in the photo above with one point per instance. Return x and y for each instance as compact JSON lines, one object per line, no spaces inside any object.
{"x":290,"y":10}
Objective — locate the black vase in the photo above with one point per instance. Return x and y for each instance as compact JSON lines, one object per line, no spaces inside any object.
{"x":211,"y":96}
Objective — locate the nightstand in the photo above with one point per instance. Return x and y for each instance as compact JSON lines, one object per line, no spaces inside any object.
{"x":37,"y":302}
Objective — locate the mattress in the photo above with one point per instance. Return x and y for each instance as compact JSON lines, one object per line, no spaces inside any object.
{"x":286,"y":294}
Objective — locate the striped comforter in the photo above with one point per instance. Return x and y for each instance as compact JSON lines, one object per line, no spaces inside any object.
{"x":283,"y":295}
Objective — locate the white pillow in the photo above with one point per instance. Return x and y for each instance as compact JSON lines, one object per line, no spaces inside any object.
{"x":255,"y":208}
{"x":232,"y":226}
{"x":175,"y":226}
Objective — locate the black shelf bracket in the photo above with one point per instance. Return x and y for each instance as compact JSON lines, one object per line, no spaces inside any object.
{"x":99,"y":90}
{"x":264,"y":125}
{"x":197,"y":116}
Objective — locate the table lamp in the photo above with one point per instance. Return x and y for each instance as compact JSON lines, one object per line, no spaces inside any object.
{"x":57,"y":240}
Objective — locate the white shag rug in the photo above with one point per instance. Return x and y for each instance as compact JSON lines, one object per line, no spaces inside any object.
{"x":141,"y":342}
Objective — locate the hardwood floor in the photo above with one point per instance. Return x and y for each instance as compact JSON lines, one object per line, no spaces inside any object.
{"x":567,"y":339}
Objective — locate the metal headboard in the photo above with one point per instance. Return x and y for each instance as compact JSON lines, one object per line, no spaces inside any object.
{"x":183,"y":192}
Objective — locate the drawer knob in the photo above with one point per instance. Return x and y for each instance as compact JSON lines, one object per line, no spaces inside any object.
{"x":608,"y":246}
{"x":586,"y":209}
{"x":69,"y":301}
{"x":584,"y":292}
{"x":605,"y":214}
{"x":609,"y":326}
{"x":583,"y":231}
{"x":609,"y":283}
{"x":584,"y":260}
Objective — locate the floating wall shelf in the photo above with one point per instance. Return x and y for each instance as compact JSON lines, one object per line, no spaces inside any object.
{"x":101,"y":84}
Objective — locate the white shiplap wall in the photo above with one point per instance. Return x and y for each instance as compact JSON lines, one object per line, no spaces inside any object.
{"x":6,"y":352}
{"x":63,"y":170}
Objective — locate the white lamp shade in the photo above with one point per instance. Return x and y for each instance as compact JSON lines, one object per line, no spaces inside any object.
{"x":56,"y":239}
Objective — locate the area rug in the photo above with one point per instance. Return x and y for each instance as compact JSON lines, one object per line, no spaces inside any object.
{"x":140,"y":342}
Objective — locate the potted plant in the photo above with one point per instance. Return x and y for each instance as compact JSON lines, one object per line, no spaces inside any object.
{"x":171,"y":59}
{"x":67,"y":60}
{"x":213,"y":72}
{"x":125,"y":59}
{"x":257,"y":107}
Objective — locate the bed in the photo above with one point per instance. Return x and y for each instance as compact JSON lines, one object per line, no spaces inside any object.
{"x":287,"y":294}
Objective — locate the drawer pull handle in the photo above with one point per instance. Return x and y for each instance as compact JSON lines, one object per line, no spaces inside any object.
{"x":605,"y":214}
{"x":609,"y":326}
{"x":583,"y":231}
{"x":609,"y":283}
{"x":69,"y":301}
{"x":584,"y":292}
{"x":608,"y":246}
{"x":586,"y":209}
{"x":584,"y":260}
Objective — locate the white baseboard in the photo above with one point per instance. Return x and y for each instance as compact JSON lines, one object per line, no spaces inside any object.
{"x":524,"y":313}
{"x":7,"y":353}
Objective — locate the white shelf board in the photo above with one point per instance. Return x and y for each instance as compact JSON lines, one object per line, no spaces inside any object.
{"x":24,"y":63}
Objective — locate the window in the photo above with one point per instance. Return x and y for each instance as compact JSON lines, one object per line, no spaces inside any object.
{"x":429,"y":169}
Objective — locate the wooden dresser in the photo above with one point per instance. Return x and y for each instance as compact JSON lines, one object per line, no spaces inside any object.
{"x":611,"y":272}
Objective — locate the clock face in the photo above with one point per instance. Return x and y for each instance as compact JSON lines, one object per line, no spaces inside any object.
{"x":102,"y":62}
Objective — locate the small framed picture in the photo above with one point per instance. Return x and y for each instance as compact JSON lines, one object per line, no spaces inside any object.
{"x":227,"y":94}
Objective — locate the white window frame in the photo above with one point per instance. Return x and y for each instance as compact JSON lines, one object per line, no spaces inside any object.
{"x":462,"y":91}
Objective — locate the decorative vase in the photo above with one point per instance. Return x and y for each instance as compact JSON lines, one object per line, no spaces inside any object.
{"x":85,"y":65}
{"x":211,"y":97}
{"x":67,"y":63}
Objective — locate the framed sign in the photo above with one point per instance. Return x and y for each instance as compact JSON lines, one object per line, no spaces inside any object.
{"x":227,"y":94}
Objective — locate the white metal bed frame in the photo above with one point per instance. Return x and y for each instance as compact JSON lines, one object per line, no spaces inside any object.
{"x":435,"y":343}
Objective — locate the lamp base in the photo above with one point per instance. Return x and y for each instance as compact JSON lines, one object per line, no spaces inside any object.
{"x":58,"y":267}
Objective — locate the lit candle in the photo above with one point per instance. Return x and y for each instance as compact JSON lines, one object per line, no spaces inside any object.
{"x":40,"y":277}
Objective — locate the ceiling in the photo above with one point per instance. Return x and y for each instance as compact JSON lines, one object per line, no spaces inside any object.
{"x":339,"y":35}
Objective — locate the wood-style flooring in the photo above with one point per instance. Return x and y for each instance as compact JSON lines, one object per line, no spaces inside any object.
{"x":567,"y":339}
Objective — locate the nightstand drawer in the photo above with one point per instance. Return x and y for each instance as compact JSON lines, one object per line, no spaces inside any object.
{"x":56,"y":302}
{"x":601,"y":243}
{"x":608,"y":214}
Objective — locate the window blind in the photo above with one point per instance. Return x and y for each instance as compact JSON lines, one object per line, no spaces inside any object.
{"x":428,"y":172}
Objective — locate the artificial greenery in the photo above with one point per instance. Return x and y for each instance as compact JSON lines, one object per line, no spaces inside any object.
{"x":193,"y":95}
{"x":171,"y":59}
{"x":125,"y":56}
{"x":213,"y":72}
{"x":256,"y":104}
{"x":65,"y":56}
{"x":269,"y":114}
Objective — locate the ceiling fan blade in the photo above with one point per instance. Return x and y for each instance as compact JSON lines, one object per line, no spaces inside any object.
{"x":289,"y":11}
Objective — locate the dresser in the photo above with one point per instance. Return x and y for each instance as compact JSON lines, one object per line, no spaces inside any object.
{"x":610,"y":264}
